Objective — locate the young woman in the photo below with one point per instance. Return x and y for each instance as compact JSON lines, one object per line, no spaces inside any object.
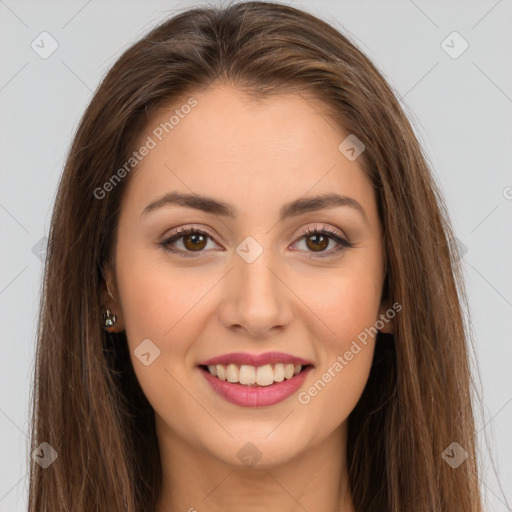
{"x":251,"y":298}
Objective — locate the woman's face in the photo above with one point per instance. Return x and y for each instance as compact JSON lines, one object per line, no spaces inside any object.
{"x":255,"y":282}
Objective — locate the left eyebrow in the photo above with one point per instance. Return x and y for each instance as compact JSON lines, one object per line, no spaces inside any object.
{"x":216,"y":207}
{"x":322,"y":202}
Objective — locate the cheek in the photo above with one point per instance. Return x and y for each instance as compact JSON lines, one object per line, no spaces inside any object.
{"x":346,"y":305}
{"x":337,"y":383}
{"x":167,"y":306}
{"x":158,"y":296}
{"x":345,"y":300}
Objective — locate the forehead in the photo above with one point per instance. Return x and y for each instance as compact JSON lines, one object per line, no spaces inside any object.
{"x":246,"y":152}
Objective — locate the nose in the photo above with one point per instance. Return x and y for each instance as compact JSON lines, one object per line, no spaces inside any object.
{"x":256,"y":298}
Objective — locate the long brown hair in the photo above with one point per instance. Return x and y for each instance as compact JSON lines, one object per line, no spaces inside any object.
{"x":87,"y":403}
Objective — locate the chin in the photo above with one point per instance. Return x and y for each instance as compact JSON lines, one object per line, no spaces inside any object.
{"x":257,"y":449}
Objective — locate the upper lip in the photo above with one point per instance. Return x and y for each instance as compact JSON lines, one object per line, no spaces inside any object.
{"x":256,"y":359}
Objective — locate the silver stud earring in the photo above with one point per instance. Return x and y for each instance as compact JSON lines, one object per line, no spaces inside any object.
{"x":109,"y":319}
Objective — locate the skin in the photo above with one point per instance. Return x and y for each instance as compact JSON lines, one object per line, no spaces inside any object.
{"x":256,"y":156}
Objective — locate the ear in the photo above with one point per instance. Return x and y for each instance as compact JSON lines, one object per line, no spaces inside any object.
{"x":110,"y":298}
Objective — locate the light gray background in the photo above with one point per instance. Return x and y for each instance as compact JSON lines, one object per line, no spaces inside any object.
{"x":460,"y":108}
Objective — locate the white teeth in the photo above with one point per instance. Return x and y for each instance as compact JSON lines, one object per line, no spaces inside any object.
{"x":221,"y":372}
{"x":247,"y":374}
{"x":232,"y":373}
{"x":279,"y":372}
{"x":288,"y":371}
{"x":255,"y":376}
{"x":264,"y":375}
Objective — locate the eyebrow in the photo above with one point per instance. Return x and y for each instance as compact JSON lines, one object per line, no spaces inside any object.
{"x":216,"y":207}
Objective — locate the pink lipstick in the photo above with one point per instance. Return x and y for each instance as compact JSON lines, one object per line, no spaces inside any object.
{"x":255,"y":380}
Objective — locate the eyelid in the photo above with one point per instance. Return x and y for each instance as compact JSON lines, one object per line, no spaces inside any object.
{"x":314,"y":228}
{"x":185,"y":229}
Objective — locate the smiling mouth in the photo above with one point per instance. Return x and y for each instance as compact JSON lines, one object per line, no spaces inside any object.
{"x":254,"y":376}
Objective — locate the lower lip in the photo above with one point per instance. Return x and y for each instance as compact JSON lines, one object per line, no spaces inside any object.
{"x":260,"y":396}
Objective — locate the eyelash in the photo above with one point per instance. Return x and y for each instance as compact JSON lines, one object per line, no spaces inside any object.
{"x":325,"y":230}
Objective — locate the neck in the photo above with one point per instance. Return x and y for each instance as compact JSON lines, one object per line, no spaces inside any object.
{"x":195,"y":481}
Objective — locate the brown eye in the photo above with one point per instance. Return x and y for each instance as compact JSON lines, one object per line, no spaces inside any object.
{"x":194,"y":241}
{"x":317,"y":242}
